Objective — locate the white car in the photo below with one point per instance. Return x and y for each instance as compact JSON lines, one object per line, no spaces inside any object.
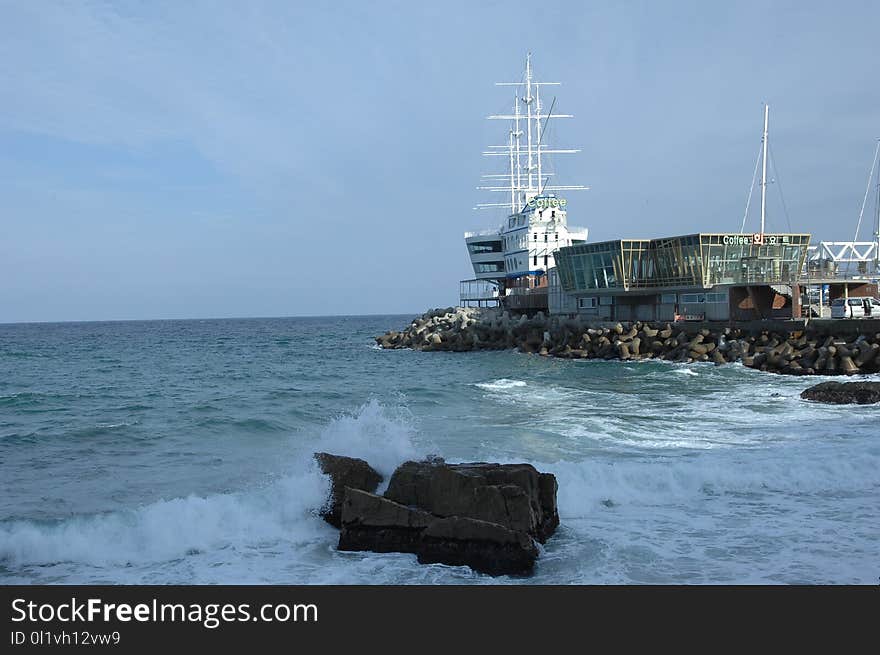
{"x":855,"y":308}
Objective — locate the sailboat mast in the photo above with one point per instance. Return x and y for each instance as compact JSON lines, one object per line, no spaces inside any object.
{"x":764,"y":169}
{"x":877,"y":223}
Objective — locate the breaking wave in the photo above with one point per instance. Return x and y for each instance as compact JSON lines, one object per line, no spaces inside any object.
{"x":281,"y":513}
{"x":500,"y":385}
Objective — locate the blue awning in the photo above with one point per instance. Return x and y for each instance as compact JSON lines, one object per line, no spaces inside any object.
{"x":539,"y":271}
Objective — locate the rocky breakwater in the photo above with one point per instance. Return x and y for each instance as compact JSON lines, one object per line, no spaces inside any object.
{"x":796,"y":352}
{"x":485,"y":516}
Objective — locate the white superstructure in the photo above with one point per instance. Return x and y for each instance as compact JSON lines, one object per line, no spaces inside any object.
{"x":513,"y":260}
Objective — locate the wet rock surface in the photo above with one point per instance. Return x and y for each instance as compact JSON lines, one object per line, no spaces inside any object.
{"x":512,"y":495}
{"x":344,"y":472}
{"x":844,"y":393}
{"x":486,"y":516}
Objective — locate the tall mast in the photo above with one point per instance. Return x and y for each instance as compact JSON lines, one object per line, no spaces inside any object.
{"x":538,"y":131}
{"x":515,"y":183}
{"x":764,"y":168}
{"x":512,"y":179}
{"x":528,"y":101}
{"x":877,"y":224}
{"x":518,"y":140}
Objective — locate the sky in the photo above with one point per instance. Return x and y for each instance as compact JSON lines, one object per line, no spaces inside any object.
{"x":228,"y":159}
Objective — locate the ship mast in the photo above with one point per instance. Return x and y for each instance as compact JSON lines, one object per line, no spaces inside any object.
{"x":764,"y":168}
{"x":877,"y":225}
{"x":538,"y":132}
{"x":523,"y":187}
{"x":528,"y":101}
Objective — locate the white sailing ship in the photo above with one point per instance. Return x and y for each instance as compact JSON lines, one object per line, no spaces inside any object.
{"x":511,"y":263}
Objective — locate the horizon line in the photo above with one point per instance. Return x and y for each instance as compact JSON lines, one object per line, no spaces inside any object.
{"x":202,"y":318}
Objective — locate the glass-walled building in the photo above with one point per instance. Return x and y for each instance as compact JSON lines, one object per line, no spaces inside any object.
{"x":708,"y":276}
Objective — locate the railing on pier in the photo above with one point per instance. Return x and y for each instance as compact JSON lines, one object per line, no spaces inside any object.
{"x":478,"y":293}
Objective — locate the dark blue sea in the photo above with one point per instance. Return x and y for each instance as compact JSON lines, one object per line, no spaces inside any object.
{"x":180,"y":452}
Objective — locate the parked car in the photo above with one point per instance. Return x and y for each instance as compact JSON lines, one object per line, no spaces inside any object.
{"x":855,"y":308}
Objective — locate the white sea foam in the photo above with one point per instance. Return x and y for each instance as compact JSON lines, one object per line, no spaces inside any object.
{"x":280,"y":514}
{"x":380,"y":434}
{"x":500,"y":385}
{"x":584,"y":486}
{"x":713,"y":516}
{"x":171,"y":529}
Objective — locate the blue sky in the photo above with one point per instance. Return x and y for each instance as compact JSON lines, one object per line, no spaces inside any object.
{"x":213,"y":159}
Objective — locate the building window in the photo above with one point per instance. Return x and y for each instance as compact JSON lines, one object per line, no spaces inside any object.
{"x":587,"y":303}
{"x":536,"y":260}
{"x":556,"y":236}
{"x":545,"y":237}
{"x":478,"y":248}
{"x":668,"y":298}
{"x":693,"y":298}
{"x":716,"y":297}
{"x":536,"y":236}
{"x":545,"y":260}
{"x":606,"y":300}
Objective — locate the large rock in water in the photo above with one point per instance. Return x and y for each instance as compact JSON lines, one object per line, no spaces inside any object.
{"x":345,"y":472}
{"x":486,"y":516}
{"x":374,"y":523}
{"x":515,"y":496}
{"x":842,"y":393}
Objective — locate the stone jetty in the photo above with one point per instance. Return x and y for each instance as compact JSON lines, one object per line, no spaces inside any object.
{"x":485,"y":516}
{"x":800,"y":351}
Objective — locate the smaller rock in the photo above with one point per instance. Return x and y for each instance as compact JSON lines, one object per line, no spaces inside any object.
{"x":344,"y":472}
{"x":842,"y":393}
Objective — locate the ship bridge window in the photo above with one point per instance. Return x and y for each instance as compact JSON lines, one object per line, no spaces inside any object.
{"x":536,"y":236}
{"x":491,"y":246}
{"x":535,"y":260}
{"x":545,"y":237}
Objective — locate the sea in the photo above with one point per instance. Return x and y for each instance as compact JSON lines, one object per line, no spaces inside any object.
{"x":180,"y":452}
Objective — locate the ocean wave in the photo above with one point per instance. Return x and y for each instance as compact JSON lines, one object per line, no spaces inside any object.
{"x":281,"y":513}
{"x":623,"y":519}
{"x":383,"y":435}
{"x":501,"y":384}
{"x":23,"y":399}
{"x":172,"y":529}
{"x":585,"y":487}
{"x":248,"y":425}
